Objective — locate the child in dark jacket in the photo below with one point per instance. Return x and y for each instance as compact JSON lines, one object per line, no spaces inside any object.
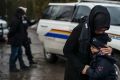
{"x":102,"y":66}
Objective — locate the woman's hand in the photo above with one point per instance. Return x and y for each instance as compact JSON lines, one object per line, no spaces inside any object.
{"x":106,"y":51}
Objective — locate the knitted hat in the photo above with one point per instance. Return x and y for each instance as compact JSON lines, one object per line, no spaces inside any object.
{"x":23,"y":8}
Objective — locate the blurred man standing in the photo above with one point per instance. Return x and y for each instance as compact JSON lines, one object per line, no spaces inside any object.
{"x":16,"y":37}
{"x":27,"y":41}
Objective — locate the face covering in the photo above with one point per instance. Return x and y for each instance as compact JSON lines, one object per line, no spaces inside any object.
{"x":99,"y":18}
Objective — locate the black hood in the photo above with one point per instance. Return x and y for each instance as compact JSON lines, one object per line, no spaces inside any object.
{"x":99,"y":17}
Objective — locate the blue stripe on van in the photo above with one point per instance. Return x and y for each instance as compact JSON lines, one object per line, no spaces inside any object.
{"x":55,"y":35}
{"x":116,"y":38}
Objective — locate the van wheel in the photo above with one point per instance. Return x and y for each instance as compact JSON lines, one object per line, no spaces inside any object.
{"x":49,"y":57}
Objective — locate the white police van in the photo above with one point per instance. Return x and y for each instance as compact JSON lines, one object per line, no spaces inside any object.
{"x":59,"y":19}
{"x":3,"y":30}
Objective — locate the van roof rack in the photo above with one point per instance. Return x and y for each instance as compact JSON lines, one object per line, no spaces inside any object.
{"x":100,"y":1}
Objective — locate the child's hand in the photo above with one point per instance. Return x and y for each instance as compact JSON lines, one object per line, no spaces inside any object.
{"x":85,"y":69}
{"x":94,"y":50}
{"x":106,"y":51}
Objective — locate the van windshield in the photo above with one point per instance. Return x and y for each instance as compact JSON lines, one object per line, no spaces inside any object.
{"x":114,"y":14}
{"x":80,"y":12}
{"x":85,"y":11}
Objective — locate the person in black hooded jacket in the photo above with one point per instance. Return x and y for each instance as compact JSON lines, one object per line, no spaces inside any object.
{"x":102,"y":66}
{"x":16,"y":36}
{"x":77,"y":47}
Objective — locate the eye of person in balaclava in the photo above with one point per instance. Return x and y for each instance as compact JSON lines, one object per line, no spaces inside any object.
{"x":100,"y":31}
{"x":100,"y":23}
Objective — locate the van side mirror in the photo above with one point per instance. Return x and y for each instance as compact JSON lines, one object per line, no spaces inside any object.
{"x":76,"y":20}
{"x":44,"y":15}
{"x":81,"y":19}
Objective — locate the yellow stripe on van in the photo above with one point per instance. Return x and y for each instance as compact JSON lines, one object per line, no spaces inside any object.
{"x":60,"y":31}
{"x":114,"y":36}
{"x":62,"y":34}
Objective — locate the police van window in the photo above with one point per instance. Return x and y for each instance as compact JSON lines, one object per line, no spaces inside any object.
{"x":47,"y":13}
{"x":51,"y":12}
{"x":54,"y":12}
{"x":81,"y":11}
{"x":115,"y":15}
{"x":65,"y":13}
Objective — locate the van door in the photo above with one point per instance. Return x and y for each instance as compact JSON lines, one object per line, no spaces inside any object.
{"x":55,"y":30}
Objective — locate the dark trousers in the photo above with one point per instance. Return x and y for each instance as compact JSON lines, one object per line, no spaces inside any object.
{"x":16,"y":54}
{"x":28,"y":51}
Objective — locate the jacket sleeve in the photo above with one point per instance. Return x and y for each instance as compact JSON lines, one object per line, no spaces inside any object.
{"x":102,"y":69}
{"x":14,"y":27}
{"x":71,"y":48}
{"x":29,"y":22}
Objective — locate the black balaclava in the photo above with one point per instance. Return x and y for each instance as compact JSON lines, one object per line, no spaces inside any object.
{"x":19,"y":13}
{"x":99,"y":17}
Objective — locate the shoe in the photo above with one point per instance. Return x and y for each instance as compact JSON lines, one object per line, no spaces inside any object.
{"x":24,"y":68}
{"x":32,"y":62}
{"x":14,"y":70}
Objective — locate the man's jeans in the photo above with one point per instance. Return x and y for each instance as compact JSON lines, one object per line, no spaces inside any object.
{"x":16,"y":53}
